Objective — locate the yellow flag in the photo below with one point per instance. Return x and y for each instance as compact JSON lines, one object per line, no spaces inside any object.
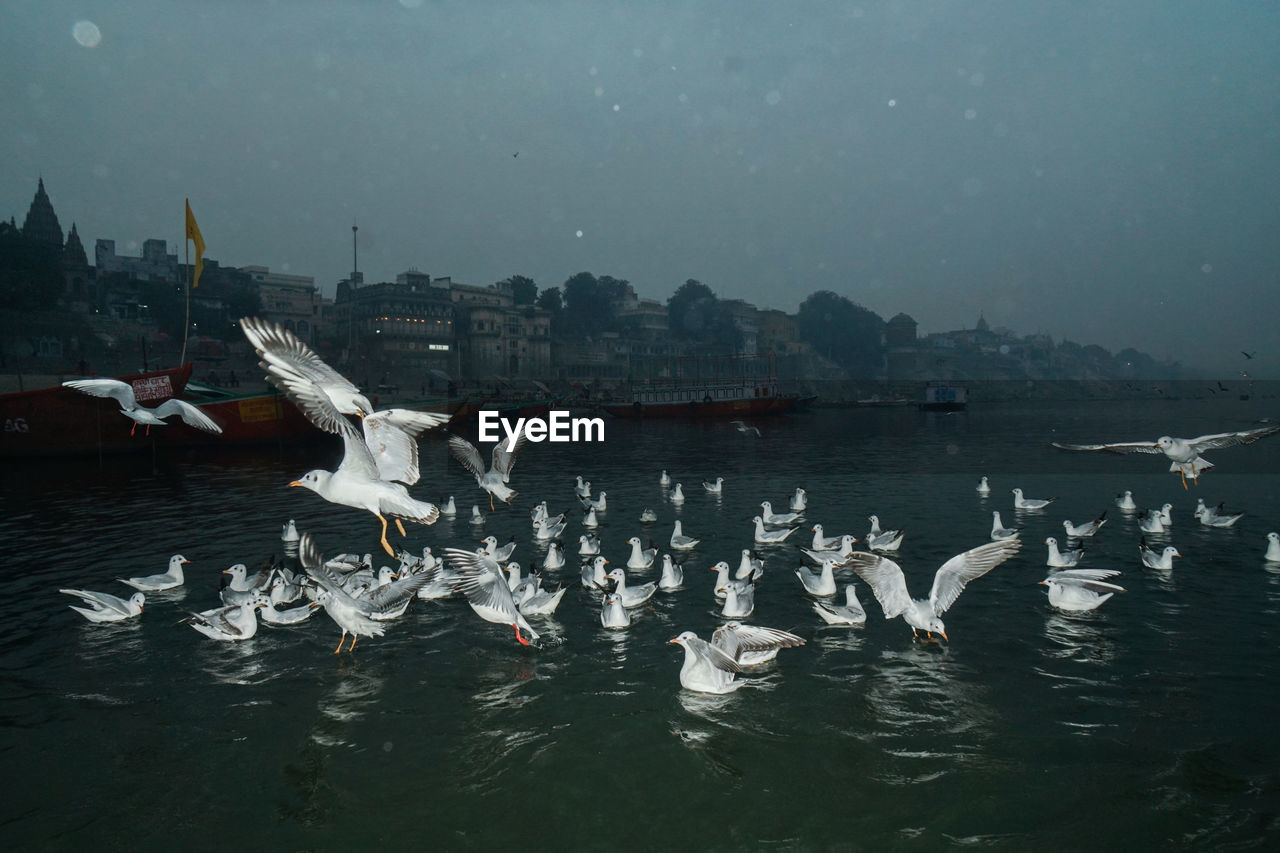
{"x":193,"y":234}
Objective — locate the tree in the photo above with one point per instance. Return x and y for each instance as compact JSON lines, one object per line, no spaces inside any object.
{"x":843,"y":331}
{"x":524,"y":291}
{"x":589,"y":303}
{"x":550,"y":300}
{"x":683,"y":316}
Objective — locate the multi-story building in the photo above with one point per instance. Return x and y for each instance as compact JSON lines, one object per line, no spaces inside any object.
{"x":388,"y":326}
{"x":290,"y":300}
{"x":496,"y":337}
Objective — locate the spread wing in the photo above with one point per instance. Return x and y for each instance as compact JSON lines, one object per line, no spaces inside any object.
{"x":714,"y":655}
{"x":356,"y":459}
{"x":1119,"y":447}
{"x":480,"y":583}
{"x":950,"y":580}
{"x":885,"y":578}
{"x":313,"y":563}
{"x":388,"y":596}
{"x":465,"y":452}
{"x":295,"y":369}
{"x":121,"y":392}
{"x":189,"y":413}
{"x":391,"y":436}
{"x":734,"y":638}
{"x":504,"y":460}
{"x":1230,"y":439}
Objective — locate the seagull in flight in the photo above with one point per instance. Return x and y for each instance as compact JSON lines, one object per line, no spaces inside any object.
{"x":1184,"y":453}
{"x":886,"y":580}
{"x":495,"y":479}
{"x":746,"y":428}
{"x":122,"y":393}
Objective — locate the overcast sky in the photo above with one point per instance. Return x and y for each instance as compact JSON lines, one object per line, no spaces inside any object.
{"x":1103,"y":171}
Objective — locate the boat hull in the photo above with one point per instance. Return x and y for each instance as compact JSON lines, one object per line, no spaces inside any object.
{"x":750,"y":407}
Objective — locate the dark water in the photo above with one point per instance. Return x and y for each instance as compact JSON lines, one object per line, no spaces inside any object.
{"x":1151,"y":721}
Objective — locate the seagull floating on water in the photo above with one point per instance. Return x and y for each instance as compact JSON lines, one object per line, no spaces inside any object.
{"x":890,"y":586}
{"x":1000,"y":533}
{"x":648,"y":517}
{"x":1273,"y":548}
{"x":1080,"y":589}
{"x":799,"y":501}
{"x":680,"y":542}
{"x":1019,"y":502}
{"x":677,"y":494}
{"x":641,"y":558}
{"x":1089,"y":528}
{"x":1154,"y":560}
{"x":821,"y":582}
{"x":1152,"y":522}
{"x":104,"y":607}
{"x":1062,"y":559}
{"x":230,"y":624}
{"x":632,"y":596}
{"x":1125,"y":501}
{"x":715,"y":488}
{"x":157,"y":583}
{"x":1183,"y":453}
{"x":776,"y":518}
{"x":769,"y":537}
{"x":984,"y":488}
{"x":612,"y":613}
{"x":706,"y":668}
{"x":850,"y":614}
{"x":672,"y":574}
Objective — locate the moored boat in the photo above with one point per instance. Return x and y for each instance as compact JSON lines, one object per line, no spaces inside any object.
{"x":725,"y":387}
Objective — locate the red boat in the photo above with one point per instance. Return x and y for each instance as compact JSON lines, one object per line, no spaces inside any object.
{"x":58,"y":420}
{"x":718,"y":387}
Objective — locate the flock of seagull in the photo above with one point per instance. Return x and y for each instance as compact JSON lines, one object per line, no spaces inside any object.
{"x":380,"y":462}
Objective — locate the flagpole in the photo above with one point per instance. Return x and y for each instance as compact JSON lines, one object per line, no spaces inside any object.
{"x":186,"y":323}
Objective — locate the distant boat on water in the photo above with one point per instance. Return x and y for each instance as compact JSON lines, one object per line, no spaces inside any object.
{"x":942,"y":397}
{"x":716,"y":387}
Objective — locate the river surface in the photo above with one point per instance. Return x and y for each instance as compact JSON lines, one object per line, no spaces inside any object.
{"x":1150,"y":722}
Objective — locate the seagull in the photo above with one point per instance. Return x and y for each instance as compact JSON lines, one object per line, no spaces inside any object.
{"x":1217,"y":518}
{"x":751,"y":645}
{"x":822,"y":542}
{"x":1273,"y":548}
{"x":1152,"y":522}
{"x":1249,"y":355}
{"x":325,"y":397}
{"x":548,"y":528}
{"x":749,"y":567}
{"x":640,"y":558}
{"x":851,"y":613}
{"x":890,"y":586}
{"x":449,"y":509}
{"x":480,"y":579}
{"x":349,"y":615}
{"x":1089,"y":528}
{"x":593,"y":573}
{"x":715,"y":488}
{"x":1080,"y":589}
{"x":983,"y":488}
{"x":588,"y":545}
{"x":706,"y":668}
{"x":1154,"y":560}
{"x":821,"y":582}
{"x":1126,"y":502}
{"x":157,"y":583}
{"x":680,"y":542}
{"x":289,"y":532}
{"x":1183,"y":453}
{"x":233,"y":623}
{"x":677,"y":494}
{"x":582,"y":488}
{"x":739,"y":599}
{"x":122,"y":393}
{"x":882,"y":540}
{"x":665,"y":479}
{"x":291,"y":616}
{"x":599,"y":504}
{"x":776,"y":518}
{"x":542,"y":602}
{"x":768,"y":537}
{"x":589,"y":520}
{"x":104,"y":607}
{"x":555,"y":556}
{"x":839,"y":554}
{"x":745,"y":428}
{"x":612,"y":613}
{"x":1166,"y":515}
{"x":1062,"y":559}
{"x":493,"y":552}
{"x":799,"y":501}
{"x":672,"y":574}
{"x":495,"y":479}
{"x":632,"y":596}
{"x":648,"y":517}
{"x":1019,"y":502}
{"x":1000,"y":533}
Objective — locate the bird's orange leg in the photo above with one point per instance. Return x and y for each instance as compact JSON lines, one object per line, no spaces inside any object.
{"x":386,"y":546}
{"x":341,"y":640}
{"x":491,"y":502}
{"x":354,"y":637}
{"x":1183,"y":475}
{"x":522,"y":640}
{"x":400,"y":527}
{"x":133,"y":429}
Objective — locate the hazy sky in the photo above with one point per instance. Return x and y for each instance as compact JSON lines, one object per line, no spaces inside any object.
{"x":1103,"y":171}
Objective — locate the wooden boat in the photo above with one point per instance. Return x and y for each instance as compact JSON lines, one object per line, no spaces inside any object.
{"x":940,"y":397}
{"x":707,"y":387}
